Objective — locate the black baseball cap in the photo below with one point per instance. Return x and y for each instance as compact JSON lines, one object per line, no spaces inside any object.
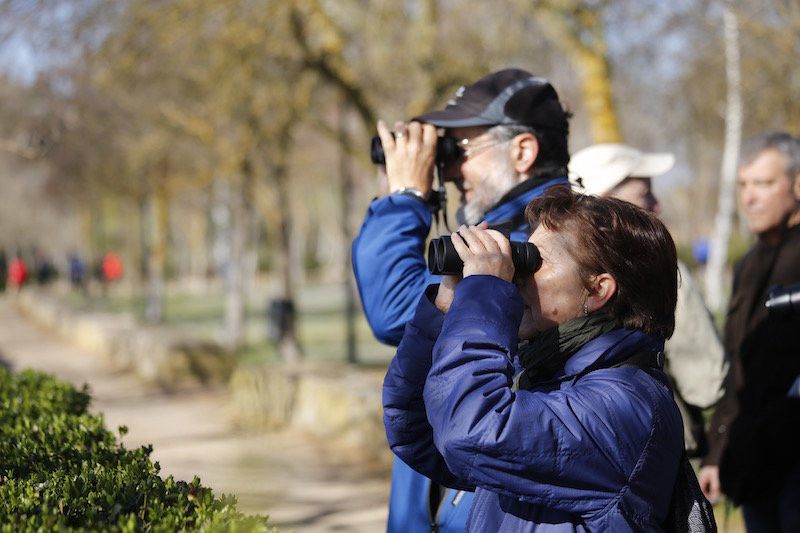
{"x":510,"y":96}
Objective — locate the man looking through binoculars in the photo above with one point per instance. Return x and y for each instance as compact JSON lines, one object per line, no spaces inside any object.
{"x":510,"y":130}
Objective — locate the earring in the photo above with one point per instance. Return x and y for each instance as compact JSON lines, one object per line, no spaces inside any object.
{"x":585,"y":309}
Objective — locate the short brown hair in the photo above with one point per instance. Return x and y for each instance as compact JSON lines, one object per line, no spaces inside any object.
{"x":631,"y":244}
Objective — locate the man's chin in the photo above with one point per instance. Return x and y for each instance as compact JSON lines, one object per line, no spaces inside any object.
{"x":473,"y":213}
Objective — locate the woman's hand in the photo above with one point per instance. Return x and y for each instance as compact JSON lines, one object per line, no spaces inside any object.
{"x":446,"y":293}
{"x":410,"y":155}
{"x":484,"y":251}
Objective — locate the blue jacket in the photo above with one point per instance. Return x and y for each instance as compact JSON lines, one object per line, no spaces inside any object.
{"x":389,"y":256}
{"x":600,"y":453}
{"x":391,"y":273}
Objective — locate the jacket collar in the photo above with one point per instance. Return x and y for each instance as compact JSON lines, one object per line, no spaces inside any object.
{"x":611,"y":347}
{"x":514,"y":202}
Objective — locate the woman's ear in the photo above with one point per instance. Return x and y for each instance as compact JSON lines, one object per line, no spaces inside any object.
{"x":604,"y":287}
{"x":524,"y":151}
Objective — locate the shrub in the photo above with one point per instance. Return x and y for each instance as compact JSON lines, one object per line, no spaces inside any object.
{"x":60,"y":469}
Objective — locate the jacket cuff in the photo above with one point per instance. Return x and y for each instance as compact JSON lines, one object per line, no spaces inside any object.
{"x":391,"y":203}
{"x":428,"y":319}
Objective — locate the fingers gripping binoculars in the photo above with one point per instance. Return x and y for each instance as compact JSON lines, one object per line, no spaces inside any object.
{"x":447,"y":150}
{"x":443,"y":259}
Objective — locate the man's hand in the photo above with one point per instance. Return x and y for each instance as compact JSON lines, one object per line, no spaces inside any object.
{"x":708,"y":478}
{"x":484,"y":251}
{"x":410,"y":155}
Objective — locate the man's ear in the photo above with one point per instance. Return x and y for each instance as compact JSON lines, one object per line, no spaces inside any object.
{"x":524,"y":151}
{"x":604,"y":287}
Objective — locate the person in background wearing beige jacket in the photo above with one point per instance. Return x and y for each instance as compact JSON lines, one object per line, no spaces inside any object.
{"x":695,"y":359}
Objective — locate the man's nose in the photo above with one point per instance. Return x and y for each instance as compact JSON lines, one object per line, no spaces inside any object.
{"x":655,"y":206}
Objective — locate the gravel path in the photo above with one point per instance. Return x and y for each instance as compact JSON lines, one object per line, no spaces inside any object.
{"x":284,"y":474}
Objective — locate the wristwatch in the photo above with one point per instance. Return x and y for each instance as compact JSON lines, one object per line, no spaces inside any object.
{"x":410,"y":191}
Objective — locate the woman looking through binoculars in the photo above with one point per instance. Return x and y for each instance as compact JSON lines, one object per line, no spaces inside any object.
{"x":542,"y":391}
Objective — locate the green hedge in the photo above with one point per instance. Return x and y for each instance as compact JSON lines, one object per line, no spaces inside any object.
{"x":60,"y":469}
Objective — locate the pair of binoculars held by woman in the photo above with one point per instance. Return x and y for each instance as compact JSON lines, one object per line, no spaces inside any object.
{"x":443,"y":259}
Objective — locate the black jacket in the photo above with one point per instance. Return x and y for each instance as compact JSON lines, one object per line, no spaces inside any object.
{"x":755,"y":431}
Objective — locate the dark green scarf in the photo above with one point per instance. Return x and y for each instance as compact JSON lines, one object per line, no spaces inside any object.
{"x":542,"y":356}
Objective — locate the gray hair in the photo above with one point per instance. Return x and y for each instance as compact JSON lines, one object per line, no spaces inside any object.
{"x":553,"y":151}
{"x":783,"y":143}
{"x":506,"y":132}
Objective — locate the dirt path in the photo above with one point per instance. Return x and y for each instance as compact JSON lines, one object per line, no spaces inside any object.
{"x":285,"y":475}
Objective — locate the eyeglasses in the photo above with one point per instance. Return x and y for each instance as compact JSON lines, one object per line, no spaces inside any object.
{"x":467,"y":148}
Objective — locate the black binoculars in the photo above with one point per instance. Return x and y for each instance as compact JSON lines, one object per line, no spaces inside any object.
{"x":447,"y":150}
{"x":443,"y":259}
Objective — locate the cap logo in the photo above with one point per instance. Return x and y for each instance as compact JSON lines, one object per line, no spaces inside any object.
{"x":459,"y":94}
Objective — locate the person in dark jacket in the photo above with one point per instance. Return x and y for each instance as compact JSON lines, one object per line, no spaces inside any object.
{"x":755,"y":432}
{"x":512,"y":130}
{"x":562,"y":432}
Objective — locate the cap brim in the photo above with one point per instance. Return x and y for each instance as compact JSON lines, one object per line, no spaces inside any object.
{"x":448,"y":119}
{"x":653,"y":164}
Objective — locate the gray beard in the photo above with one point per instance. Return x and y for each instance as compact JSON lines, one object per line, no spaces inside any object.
{"x":473,"y":212}
{"x":501,"y":180}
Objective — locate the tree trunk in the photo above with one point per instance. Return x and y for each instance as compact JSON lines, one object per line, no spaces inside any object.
{"x":726,"y":204}
{"x":234,"y":296}
{"x":241,"y":209}
{"x":157,"y":256}
{"x":579,"y":32}
{"x":346,"y":199}
{"x":288,"y":343}
{"x":598,"y":95}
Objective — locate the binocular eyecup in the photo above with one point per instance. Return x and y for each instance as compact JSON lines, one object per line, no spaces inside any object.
{"x":443,"y":259}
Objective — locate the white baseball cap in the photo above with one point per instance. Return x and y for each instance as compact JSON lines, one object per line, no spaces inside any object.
{"x":599,"y":168}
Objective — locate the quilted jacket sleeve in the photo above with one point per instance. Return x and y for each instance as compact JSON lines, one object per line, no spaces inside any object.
{"x":573,"y":449}
{"x":407,"y":428}
{"x":389,"y":263}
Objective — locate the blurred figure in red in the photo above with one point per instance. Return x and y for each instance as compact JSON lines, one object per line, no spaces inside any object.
{"x":112,"y":267}
{"x":17,"y":272}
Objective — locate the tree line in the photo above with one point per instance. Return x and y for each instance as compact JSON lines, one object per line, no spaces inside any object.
{"x":199,"y":132}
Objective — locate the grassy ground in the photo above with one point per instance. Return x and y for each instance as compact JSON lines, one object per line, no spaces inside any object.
{"x":729,"y":519}
{"x":320,"y":320}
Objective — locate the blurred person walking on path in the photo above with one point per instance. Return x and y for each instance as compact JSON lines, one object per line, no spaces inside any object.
{"x":695,"y":360}
{"x":17,"y":272}
{"x":511,"y":130}
{"x":754,"y":455}
{"x":112,"y":267}
{"x":45,"y":270}
{"x":77,"y":272}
